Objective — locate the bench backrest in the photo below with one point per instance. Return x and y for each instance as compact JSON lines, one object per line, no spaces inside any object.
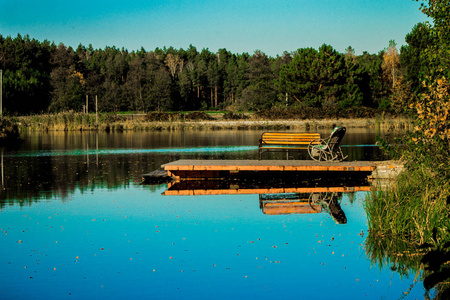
{"x":285,"y":138}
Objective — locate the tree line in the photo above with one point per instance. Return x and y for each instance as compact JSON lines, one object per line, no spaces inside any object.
{"x":45,"y":77}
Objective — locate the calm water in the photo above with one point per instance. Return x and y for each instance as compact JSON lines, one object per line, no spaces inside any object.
{"x":75,"y":222}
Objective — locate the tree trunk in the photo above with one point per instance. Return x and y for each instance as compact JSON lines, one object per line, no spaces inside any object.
{"x":393,"y":78}
{"x":212,"y":97}
{"x":215,"y":96}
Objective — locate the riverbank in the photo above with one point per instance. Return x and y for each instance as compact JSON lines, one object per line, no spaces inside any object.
{"x":201,"y":121}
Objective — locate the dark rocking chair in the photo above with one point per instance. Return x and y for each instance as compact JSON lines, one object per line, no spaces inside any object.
{"x":328,"y":149}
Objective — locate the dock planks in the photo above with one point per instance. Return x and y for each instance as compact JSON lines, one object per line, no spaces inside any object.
{"x":181,"y":166}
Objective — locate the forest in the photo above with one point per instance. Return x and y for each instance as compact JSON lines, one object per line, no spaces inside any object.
{"x":42,"y":77}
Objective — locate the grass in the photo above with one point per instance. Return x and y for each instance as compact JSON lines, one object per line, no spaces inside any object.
{"x":71,"y":121}
{"x":409,"y":222}
{"x":409,"y":227}
{"x":412,"y":209}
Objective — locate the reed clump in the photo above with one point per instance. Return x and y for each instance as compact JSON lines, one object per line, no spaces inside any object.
{"x":64,"y":121}
{"x":9,"y":131}
{"x":410,"y":211}
{"x":409,"y":222}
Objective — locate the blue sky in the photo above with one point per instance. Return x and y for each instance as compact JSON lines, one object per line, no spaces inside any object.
{"x":236,"y":25}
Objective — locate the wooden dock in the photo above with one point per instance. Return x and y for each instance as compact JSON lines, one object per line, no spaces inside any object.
{"x":211,"y":169}
{"x":210,"y":177}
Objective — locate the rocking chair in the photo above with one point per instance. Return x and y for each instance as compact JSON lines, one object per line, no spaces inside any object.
{"x":328,"y":149}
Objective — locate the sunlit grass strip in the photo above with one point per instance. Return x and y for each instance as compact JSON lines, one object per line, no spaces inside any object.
{"x":77,"y":121}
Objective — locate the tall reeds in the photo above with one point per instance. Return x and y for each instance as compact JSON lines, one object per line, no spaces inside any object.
{"x":412,"y":209}
{"x":9,"y":131}
{"x":408,"y":221}
{"x":74,"y":121}
{"x":60,"y":121}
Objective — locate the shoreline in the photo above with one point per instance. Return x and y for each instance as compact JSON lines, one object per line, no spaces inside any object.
{"x":138,"y":124}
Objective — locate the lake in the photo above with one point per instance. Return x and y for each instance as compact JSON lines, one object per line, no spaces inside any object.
{"x":76,"y":222}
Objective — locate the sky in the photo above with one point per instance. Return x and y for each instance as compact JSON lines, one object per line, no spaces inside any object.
{"x":239,"y":26}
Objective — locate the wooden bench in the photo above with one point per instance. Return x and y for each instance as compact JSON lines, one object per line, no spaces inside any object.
{"x":285,"y":141}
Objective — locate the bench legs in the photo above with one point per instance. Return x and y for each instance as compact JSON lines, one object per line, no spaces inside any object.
{"x":261,"y":151}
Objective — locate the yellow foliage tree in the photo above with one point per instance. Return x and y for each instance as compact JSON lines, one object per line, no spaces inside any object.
{"x":433,"y":110}
{"x":402,"y":94}
{"x":391,"y":62}
{"x":432,"y":106}
{"x":77,"y":75}
{"x":174,"y":63}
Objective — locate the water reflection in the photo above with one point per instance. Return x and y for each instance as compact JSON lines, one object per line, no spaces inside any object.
{"x":281,"y":194}
{"x":301,"y":203}
{"x":55,"y":164}
{"x":427,"y":263}
{"x":437,"y":269}
{"x":107,"y":236}
{"x":225,"y":187}
{"x":2,"y":169}
{"x":359,"y":143}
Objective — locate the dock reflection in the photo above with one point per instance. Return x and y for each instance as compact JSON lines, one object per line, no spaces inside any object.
{"x":270,"y":183}
{"x":303,"y":203}
{"x":217,"y":187}
{"x":279,"y":197}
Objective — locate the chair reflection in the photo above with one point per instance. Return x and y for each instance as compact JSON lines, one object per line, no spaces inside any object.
{"x":277,"y":198}
{"x":303,"y":203}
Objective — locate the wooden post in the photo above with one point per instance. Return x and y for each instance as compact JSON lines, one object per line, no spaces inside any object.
{"x":96,"y":111}
{"x":96,"y":145}
{"x":87,"y":97}
{"x":1,"y":93}
{"x":3,"y":180}
{"x":87,"y":152}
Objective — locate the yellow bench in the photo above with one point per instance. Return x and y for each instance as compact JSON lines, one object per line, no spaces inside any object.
{"x":285,"y":141}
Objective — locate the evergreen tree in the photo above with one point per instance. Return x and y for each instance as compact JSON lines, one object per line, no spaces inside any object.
{"x":67,"y":82}
{"x":315,"y":78}
{"x":41,"y":76}
{"x":260,"y":92}
{"x":26,"y":74}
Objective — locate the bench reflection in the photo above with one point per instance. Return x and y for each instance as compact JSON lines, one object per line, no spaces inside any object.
{"x":277,"y":198}
{"x":303,"y":203}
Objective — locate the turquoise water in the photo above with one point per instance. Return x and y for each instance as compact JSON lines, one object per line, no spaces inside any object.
{"x":195,"y":150}
{"x":82,"y":227}
{"x":133,"y":242}
{"x":78,"y":152}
